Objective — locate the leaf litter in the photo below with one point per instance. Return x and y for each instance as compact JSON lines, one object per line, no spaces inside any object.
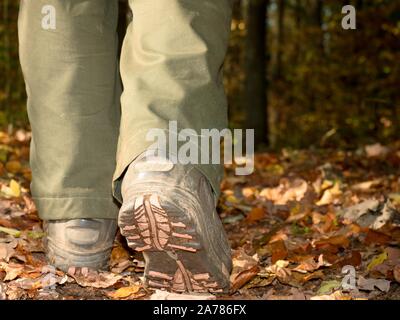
{"x":295,"y":225}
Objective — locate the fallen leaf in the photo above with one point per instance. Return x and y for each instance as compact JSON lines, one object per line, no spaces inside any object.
{"x":164,"y":295}
{"x":7,"y":250}
{"x":376,"y":150}
{"x":329,"y":195}
{"x":329,"y":286}
{"x":248,"y":192}
{"x":339,"y":241}
{"x":286,"y":191}
{"x":370,"y":213}
{"x":244,"y":277}
{"x":44,"y":280}
{"x":12,"y":270}
{"x":296,"y":294}
{"x":337,"y":295}
{"x":95,"y":279}
{"x":233,"y":218}
{"x":366,"y":185}
{"x":12,"y":232}
{"x":15,"y":188}
{"x":118,"y":255}
{"x":396,"y":273}
{"x":310,"y":265}
{"x":395,"y":198}
{"x":354,"y":260}
{"x":375,"y":237}
{"x":314,"y":275}
{"x":370,"y":284}
{"x":13,"y":166}
{"x":14,"y":293}
{"x":241,"y":262}
{"x":278,"y":250}
{"x":279,"y":270}
{"x":387,"y":266}
{"x":377,"y":260}
{"x":124,"y":292}
{"x":256,"y":214}
{"x":3,"y":290}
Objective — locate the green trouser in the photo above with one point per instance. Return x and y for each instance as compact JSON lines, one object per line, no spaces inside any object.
{"x":84,"y":133}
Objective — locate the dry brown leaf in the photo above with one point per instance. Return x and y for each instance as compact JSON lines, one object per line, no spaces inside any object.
{"x":164,"y":295}
{"x":125,"y":292}
{"x":354,"y":260}
{"x":286,"y":191}
{"x":244,"y":277}
{"x":329,"y":195}
{"x":241,"y":262}
{"x":3,"y":291}
{"x":7,"y":250}
{"x":310,"y":265}
{"x":319,"y":274}
{"x":337,"y":295}
{"x":375,"y":237}
{"x":279,"y":269}
{"x":12,"y":270}
{"x":95,"y":279}
{"x":366,"y":185}
{"x":296,"y":294}
{"x":278,"y":250}
{"x":256,"y":214}
{"x":376,"y":150}
{"x":396,"y":273}
{"x":337,"y":241}
{"x":13,"y":166}
{"x":371,"y":284}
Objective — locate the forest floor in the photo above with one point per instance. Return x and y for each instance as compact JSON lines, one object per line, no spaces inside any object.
{"x":307,"y":224}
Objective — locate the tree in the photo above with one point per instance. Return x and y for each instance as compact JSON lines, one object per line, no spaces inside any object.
{"x":255,"y":65}
{"x":281,"y":39}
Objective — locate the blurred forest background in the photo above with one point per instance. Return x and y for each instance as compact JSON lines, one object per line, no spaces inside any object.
{"x":292,"y":72}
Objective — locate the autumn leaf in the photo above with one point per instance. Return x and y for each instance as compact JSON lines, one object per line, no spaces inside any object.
{"x":244,"y":277}
{"x":329,"y":286}
{"x":10,"y":231}
{"x":329,"y":195}
{"x":95,"y":279}
{"x":13,"y":166}
{"x":377,"y":260}
{"x":375,"y":237}
{"x":396,"y":273}
{"x":338,"y":241}
{"x":286,"y":191}
{"x":125,"y":292}
{"x":371,"y":284}
{"x":256,"y":214}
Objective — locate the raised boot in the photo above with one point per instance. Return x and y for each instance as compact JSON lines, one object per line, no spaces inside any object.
{"x":169,"y":214}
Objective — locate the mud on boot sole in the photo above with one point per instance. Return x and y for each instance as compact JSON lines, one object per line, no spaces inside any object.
{"x":175,"y":254}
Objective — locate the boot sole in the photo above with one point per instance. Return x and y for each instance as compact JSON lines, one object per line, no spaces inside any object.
{"x":176,"y":259}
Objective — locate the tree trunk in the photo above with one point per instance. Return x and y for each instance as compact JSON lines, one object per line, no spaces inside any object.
{"x":7,"y":53}
{"x":281,"y":39}
{"x":255,"y":86}
{"x":318,"y":22}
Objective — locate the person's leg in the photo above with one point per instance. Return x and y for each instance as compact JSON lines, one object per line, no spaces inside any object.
{"x":171,"y":70}
{"x":68,"y":54}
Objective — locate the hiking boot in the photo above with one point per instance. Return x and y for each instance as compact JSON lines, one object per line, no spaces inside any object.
{"x":80,"y":242}
{"x":169,"y":214}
